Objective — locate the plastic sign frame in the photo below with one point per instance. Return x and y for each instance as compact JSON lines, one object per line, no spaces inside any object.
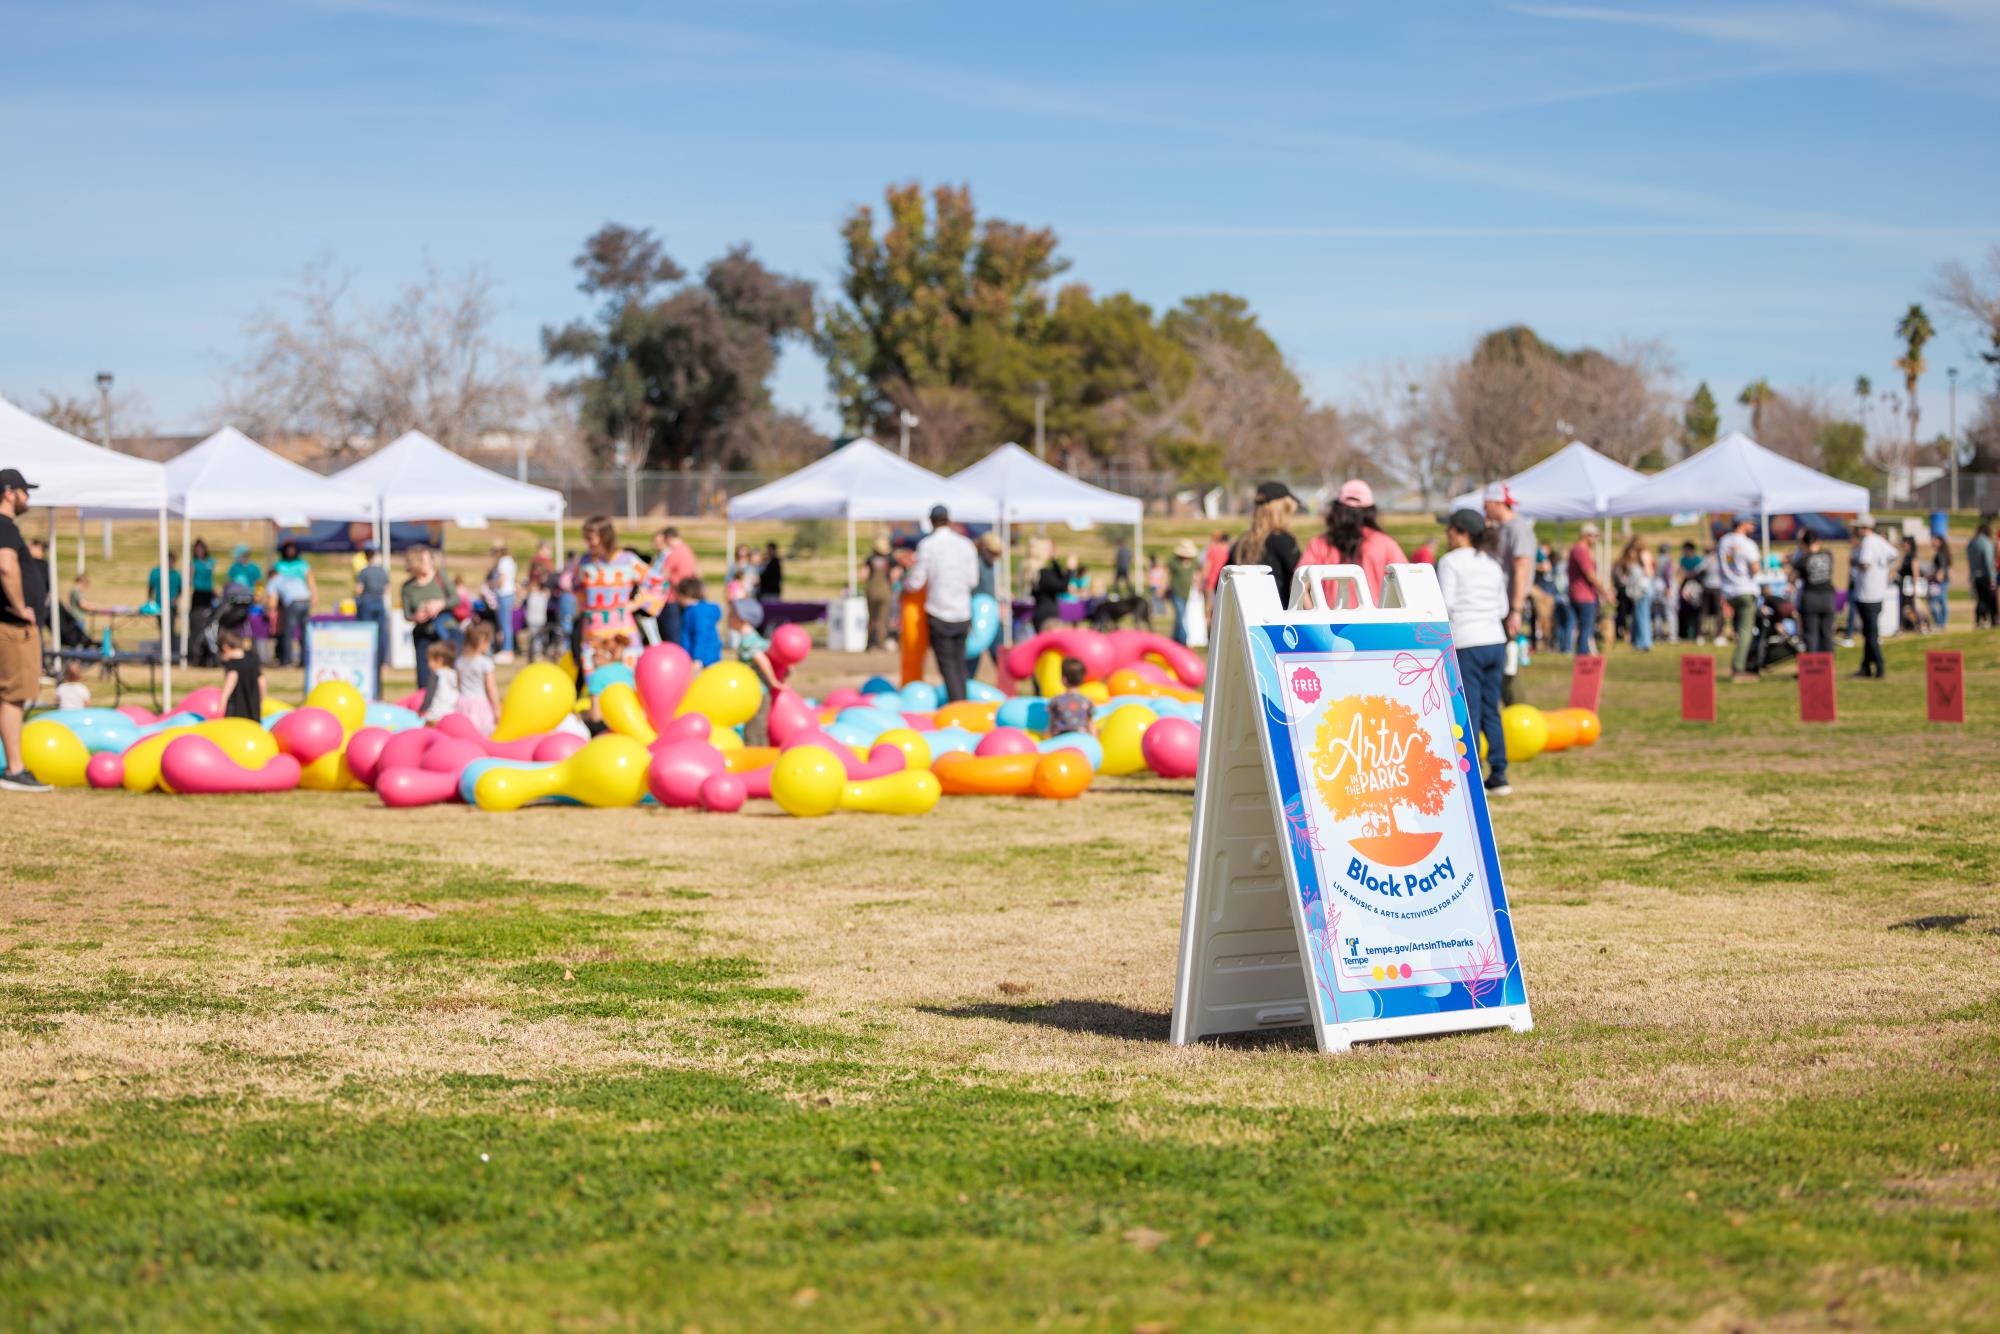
{"x":1332,"y":733}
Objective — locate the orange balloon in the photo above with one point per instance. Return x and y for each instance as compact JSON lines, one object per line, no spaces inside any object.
{"x":1588,"y":727}
{"x":1061,"y":775}
{"x":986,"y":775}
{"x":747,"y":758}
{"x":916,"y":638}
{"x":970,"y":714}
{"x":1563,"y":730}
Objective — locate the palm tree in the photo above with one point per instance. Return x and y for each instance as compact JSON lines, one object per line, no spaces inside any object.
{"x":1863,"y":387}
{"x":1754,"y":396}
{"x":1915,"y":329}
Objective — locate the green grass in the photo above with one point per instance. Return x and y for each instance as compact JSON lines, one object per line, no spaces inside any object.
{"x":442,"y":1070}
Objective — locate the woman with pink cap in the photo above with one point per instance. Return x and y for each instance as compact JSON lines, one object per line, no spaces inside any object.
{"x":1352,"y":536}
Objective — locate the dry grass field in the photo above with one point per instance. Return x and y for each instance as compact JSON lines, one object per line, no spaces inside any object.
{"x":304,"y":1061}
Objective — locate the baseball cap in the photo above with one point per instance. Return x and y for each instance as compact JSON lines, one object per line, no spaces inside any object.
{"x":1270,"y":491}
{"x":748,"y":610}
{"x":11,"y":480}
{"x":1864,"y":521}
{"x":1499,"y":493}
{"x":1468,"y":521}
{"x":1587,"y":530}
{"x":1356,"y":493}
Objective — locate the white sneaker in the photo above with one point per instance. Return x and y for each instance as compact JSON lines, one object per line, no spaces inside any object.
{"x":503,"y":657}
{"x":23,"y":782}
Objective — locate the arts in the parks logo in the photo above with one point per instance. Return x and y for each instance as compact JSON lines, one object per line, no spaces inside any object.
{"x":1371,"y":759}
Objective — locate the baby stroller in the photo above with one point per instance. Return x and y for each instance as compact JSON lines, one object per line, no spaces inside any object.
{"x":1777,"y":639}
{"x":230,"y":612}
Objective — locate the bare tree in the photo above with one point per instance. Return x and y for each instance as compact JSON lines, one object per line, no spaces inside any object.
{"x":329,"y":364}
{"x":1619,"y":403}
{"x":1794,"y":420}
{"x":1968,"y":295}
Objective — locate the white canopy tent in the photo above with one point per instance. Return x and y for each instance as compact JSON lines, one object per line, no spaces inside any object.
{"x":1028,"y":490}
{"x":1739,"y":475}
{"x":413,"y":477}
{"x":860,"y":480}
{"x":1575,"y":482}
{"x":231,"y":476}
{"x":70,"y":472}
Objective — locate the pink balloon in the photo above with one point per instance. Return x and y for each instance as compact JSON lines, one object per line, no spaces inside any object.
{"x":846,"y":697}
{"x":1152,"y":671}
{"x":723,"y":792}
{"x":461,"y":728}
{"x":412,"y":701}
{"x":307,"y":733}
{"x":1005,"y":741}
{"x":923,"y":722}
{"x":1091,"y":648}
{"x":1171,"y":747}
{"x":790,"y":715}
{"x":207,"y":702}
{"x":406,"y":749}
{"x":139,"y":713}
{"x":881,"y":762}
{"x":407,"y":786}
{"x":662,"y":674}
{"x":687,"y":727}
{"x":558,"y":746}
{"x":677,"y":772}
{"x":106,"y":769}
{"x":1130,"y":648}
{"x":790,"y":644}
{"x":196,"y":766}
{"x":449,"y":755}
{"x":757,"y":782}
{"x":364,"y":752}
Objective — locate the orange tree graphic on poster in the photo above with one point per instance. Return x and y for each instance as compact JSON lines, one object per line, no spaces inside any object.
{"x":1370,"y":757}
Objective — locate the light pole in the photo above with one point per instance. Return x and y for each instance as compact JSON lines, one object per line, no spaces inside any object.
{"x":905,"y":419}
{"x":104,"y":437}
{"x":1041,"y":401}
{"x":1951,"y":436}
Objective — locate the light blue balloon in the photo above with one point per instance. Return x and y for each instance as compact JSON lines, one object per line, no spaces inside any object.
{"x":985,"y":626}
{"x":951,"y":741}
{"x":847,"y":734}
{"x":979,"y":692}
{"x":1027,"y":712}
{"x":869,"y":723}
{"x":172,"y":720}
{"x":393,"y":717}
{"x":920,"y":697}
{"x":270,"y":720}
{"x":1081,"y":742}
{"x":102,"y":731}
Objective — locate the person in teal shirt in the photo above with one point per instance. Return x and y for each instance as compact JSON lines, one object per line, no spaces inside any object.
{"x":201,"y":572}
{"x":173,"y":581}
{"x":243,"y":570}
{"x":201,"y":602}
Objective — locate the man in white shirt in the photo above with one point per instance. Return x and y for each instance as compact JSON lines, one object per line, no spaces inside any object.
{"x":1479,"y":604}
{"x":1873,"y":560}
{"x":504,"y":581}
{"x":947,"y":572}
{"x":1739,"y":558}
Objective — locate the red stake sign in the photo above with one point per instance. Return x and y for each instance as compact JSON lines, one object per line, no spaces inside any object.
{"x":1944,"y":685}
{"x":1586,"y":681}
{"x":1697,"y":688}
{"x":1816,"y":687}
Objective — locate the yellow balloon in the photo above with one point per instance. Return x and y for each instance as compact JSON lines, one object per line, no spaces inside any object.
{"x":912,"y":792}
{"x":808,"y":781}
{"x":330,"y":773}
{"x":142,"y":759}
{"x":1094,"y":691}
{"x":1122,"y":735}
{"x":54,"y":754}
{"x":341,"y":700}
{"x":241,"y":740}
{"x":618,"y":704}
{"x":272,"y":704}
{"x":726,"y":739}
{"x":1527,"y":731}
{"x":726,"y":694}
{"x":916,"y":750}
{"x":1048,"y":673}
{"x":540,"y":697}
{"x":610,"y":770}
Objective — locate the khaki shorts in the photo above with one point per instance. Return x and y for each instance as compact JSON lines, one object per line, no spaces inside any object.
{"x":20,"y":664}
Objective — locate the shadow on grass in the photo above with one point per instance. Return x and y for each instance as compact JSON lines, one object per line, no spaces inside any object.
{"x":1111,"y":1020}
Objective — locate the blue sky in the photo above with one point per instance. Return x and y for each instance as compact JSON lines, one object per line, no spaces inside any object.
{"x":1761,"y":187}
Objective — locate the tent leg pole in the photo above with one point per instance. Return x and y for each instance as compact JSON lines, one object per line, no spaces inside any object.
{"x":166,"y":605}
{"x":82,"y":542}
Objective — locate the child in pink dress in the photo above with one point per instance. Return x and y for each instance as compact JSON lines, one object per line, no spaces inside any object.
{"x":478,"y":692}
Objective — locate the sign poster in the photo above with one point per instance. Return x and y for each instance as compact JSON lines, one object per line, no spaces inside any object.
{"x":342,"y":651}
{"x":1697,"y":688}
{"x":1944,"y":685}
{"x":1586,"y":681}
{"x":1393,"y":883}
{"x":1816,"y":688}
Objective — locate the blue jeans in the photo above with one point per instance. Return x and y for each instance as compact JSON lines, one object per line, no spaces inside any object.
{"x":1642,"y":623}
{"x":506,"y":610}
{"x":1938,"y":606}
{"x":1585,"y":615}
{"x":1564,"y":624}
{"x":566,"y":614}
{"x":1180,"y":618}
{"x":1483,"y":669}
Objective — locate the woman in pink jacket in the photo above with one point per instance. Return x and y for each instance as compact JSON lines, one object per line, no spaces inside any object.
{"x":1352,"y":537}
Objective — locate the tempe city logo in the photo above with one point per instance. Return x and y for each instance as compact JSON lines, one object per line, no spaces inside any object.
{"x":1371,"y":759}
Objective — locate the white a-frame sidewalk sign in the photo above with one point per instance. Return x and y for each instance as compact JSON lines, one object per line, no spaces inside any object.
{"x":1341,"y":869}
